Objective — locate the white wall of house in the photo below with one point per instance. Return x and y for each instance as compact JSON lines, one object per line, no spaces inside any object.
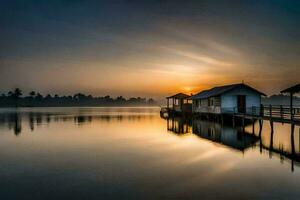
{"x":228,"y":102}
{"x":229,"y":99}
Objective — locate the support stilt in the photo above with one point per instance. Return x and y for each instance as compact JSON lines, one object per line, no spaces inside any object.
{"x":243,"y":124}
{"x":253,"y":126}
{"x":271,"y":142}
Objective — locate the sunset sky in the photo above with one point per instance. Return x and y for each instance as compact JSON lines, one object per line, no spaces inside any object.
{"x":148,"y":48}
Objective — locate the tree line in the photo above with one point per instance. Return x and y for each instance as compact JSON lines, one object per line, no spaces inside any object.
{"x":15,"y":98}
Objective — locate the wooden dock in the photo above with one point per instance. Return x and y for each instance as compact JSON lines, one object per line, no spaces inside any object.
{"x":282,"y":114}
{"x":279,"y":113}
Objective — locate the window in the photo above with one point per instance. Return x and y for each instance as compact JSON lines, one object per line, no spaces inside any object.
{"x":210,"y":101}
{"x":176,"y":102}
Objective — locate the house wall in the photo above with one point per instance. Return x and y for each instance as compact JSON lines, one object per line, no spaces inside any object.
{"x":177,"y":105}
{"x":181,"y":105}
{"x":210,"y":105}
{"x":227,"y":103}
{"x":229,"y":100}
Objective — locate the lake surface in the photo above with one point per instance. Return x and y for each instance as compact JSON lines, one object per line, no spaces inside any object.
{"x":132,"y":153}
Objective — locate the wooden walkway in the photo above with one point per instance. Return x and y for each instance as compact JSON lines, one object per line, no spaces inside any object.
{"x":280,"y":114}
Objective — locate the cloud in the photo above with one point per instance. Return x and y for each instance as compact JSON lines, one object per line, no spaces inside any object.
{"x":199,"y":57}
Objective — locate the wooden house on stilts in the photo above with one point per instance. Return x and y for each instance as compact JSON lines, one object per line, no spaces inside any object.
{"x":227,"y":99}
{"x":179,"y":104}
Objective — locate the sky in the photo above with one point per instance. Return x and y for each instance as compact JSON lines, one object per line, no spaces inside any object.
{"x":148,"y":48}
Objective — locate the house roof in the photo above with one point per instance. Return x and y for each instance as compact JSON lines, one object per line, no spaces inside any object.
{"x":216,"y":91}
{"x":179,"y":96}
{"x":293,"y":89}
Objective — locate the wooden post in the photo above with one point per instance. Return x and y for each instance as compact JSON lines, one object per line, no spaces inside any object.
{"x":272,"y":125}
{"x":172,"y":123}
{"x":173,"y":103}
{"x":293,"y":143}
{"x":260,"y":127}
{"x":291,"y":105}
{"x":243,"y":124}
{"x":168,"y":123}
{"x":271,"y":141}
{"x":168,"y":104}
{"x":261,"y":110}
{"x":222,"y":120}
{"x":260,"y":131}
{"x":181,"y":104}
{"x":253,"y":126}
{"x":292,"y":138}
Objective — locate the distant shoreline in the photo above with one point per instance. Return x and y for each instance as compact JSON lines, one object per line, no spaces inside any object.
{"x":15,"y":98}
{"x":87,"y":106}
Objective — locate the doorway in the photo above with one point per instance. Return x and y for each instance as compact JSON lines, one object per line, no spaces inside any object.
{"x":241,"y":103}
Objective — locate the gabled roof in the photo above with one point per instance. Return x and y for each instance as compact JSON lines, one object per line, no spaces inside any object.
{"x":293,"y":89}
{"x":179,"y":96}
{"x":216,"y":91}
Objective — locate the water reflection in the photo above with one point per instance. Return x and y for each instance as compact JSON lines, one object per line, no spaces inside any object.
{"x":281,"y":142}
{"x":232,"y":137}
{"x":120,"y":152}
{"x":15,"y":119}
{"x":257,"y":135}
{"x":179,"y":125}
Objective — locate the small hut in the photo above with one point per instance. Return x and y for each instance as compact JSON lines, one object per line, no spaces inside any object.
{"x":235,"y":98}
{"x":291,"y":91}
{"x":180,"y":103}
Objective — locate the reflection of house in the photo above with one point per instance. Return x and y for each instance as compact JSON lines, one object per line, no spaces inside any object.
{"x":236,"y":98}
{"x":224,"y":135}
{"x":180,"y":103}
{"x":178,"y":125}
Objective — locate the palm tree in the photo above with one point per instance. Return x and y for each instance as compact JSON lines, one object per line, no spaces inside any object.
{"x":32,"y":94}
{"x":16,"y":95}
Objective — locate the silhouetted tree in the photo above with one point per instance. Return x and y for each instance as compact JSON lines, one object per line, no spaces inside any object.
{"x":78,"y":99}
{"x":17,"y":93}
{"x":151,"y":101}
{"x":48,"y":96}
{"x":32,"y":94}
{"x":120,"y":99}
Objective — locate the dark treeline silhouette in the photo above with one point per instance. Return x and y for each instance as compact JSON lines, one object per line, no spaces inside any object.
{"x":35,"y":99}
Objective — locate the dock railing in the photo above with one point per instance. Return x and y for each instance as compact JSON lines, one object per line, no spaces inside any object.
{"x":269,"y":112}
{"x":278,"y":112}
{"x":281,"y":112}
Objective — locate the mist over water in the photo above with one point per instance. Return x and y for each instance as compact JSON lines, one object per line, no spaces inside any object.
{"x":100,"y":153}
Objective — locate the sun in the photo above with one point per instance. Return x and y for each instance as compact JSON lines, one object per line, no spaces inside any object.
{"x":187,"y":89}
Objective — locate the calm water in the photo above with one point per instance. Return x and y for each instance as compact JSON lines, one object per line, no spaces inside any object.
{"x":106,"y":153}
